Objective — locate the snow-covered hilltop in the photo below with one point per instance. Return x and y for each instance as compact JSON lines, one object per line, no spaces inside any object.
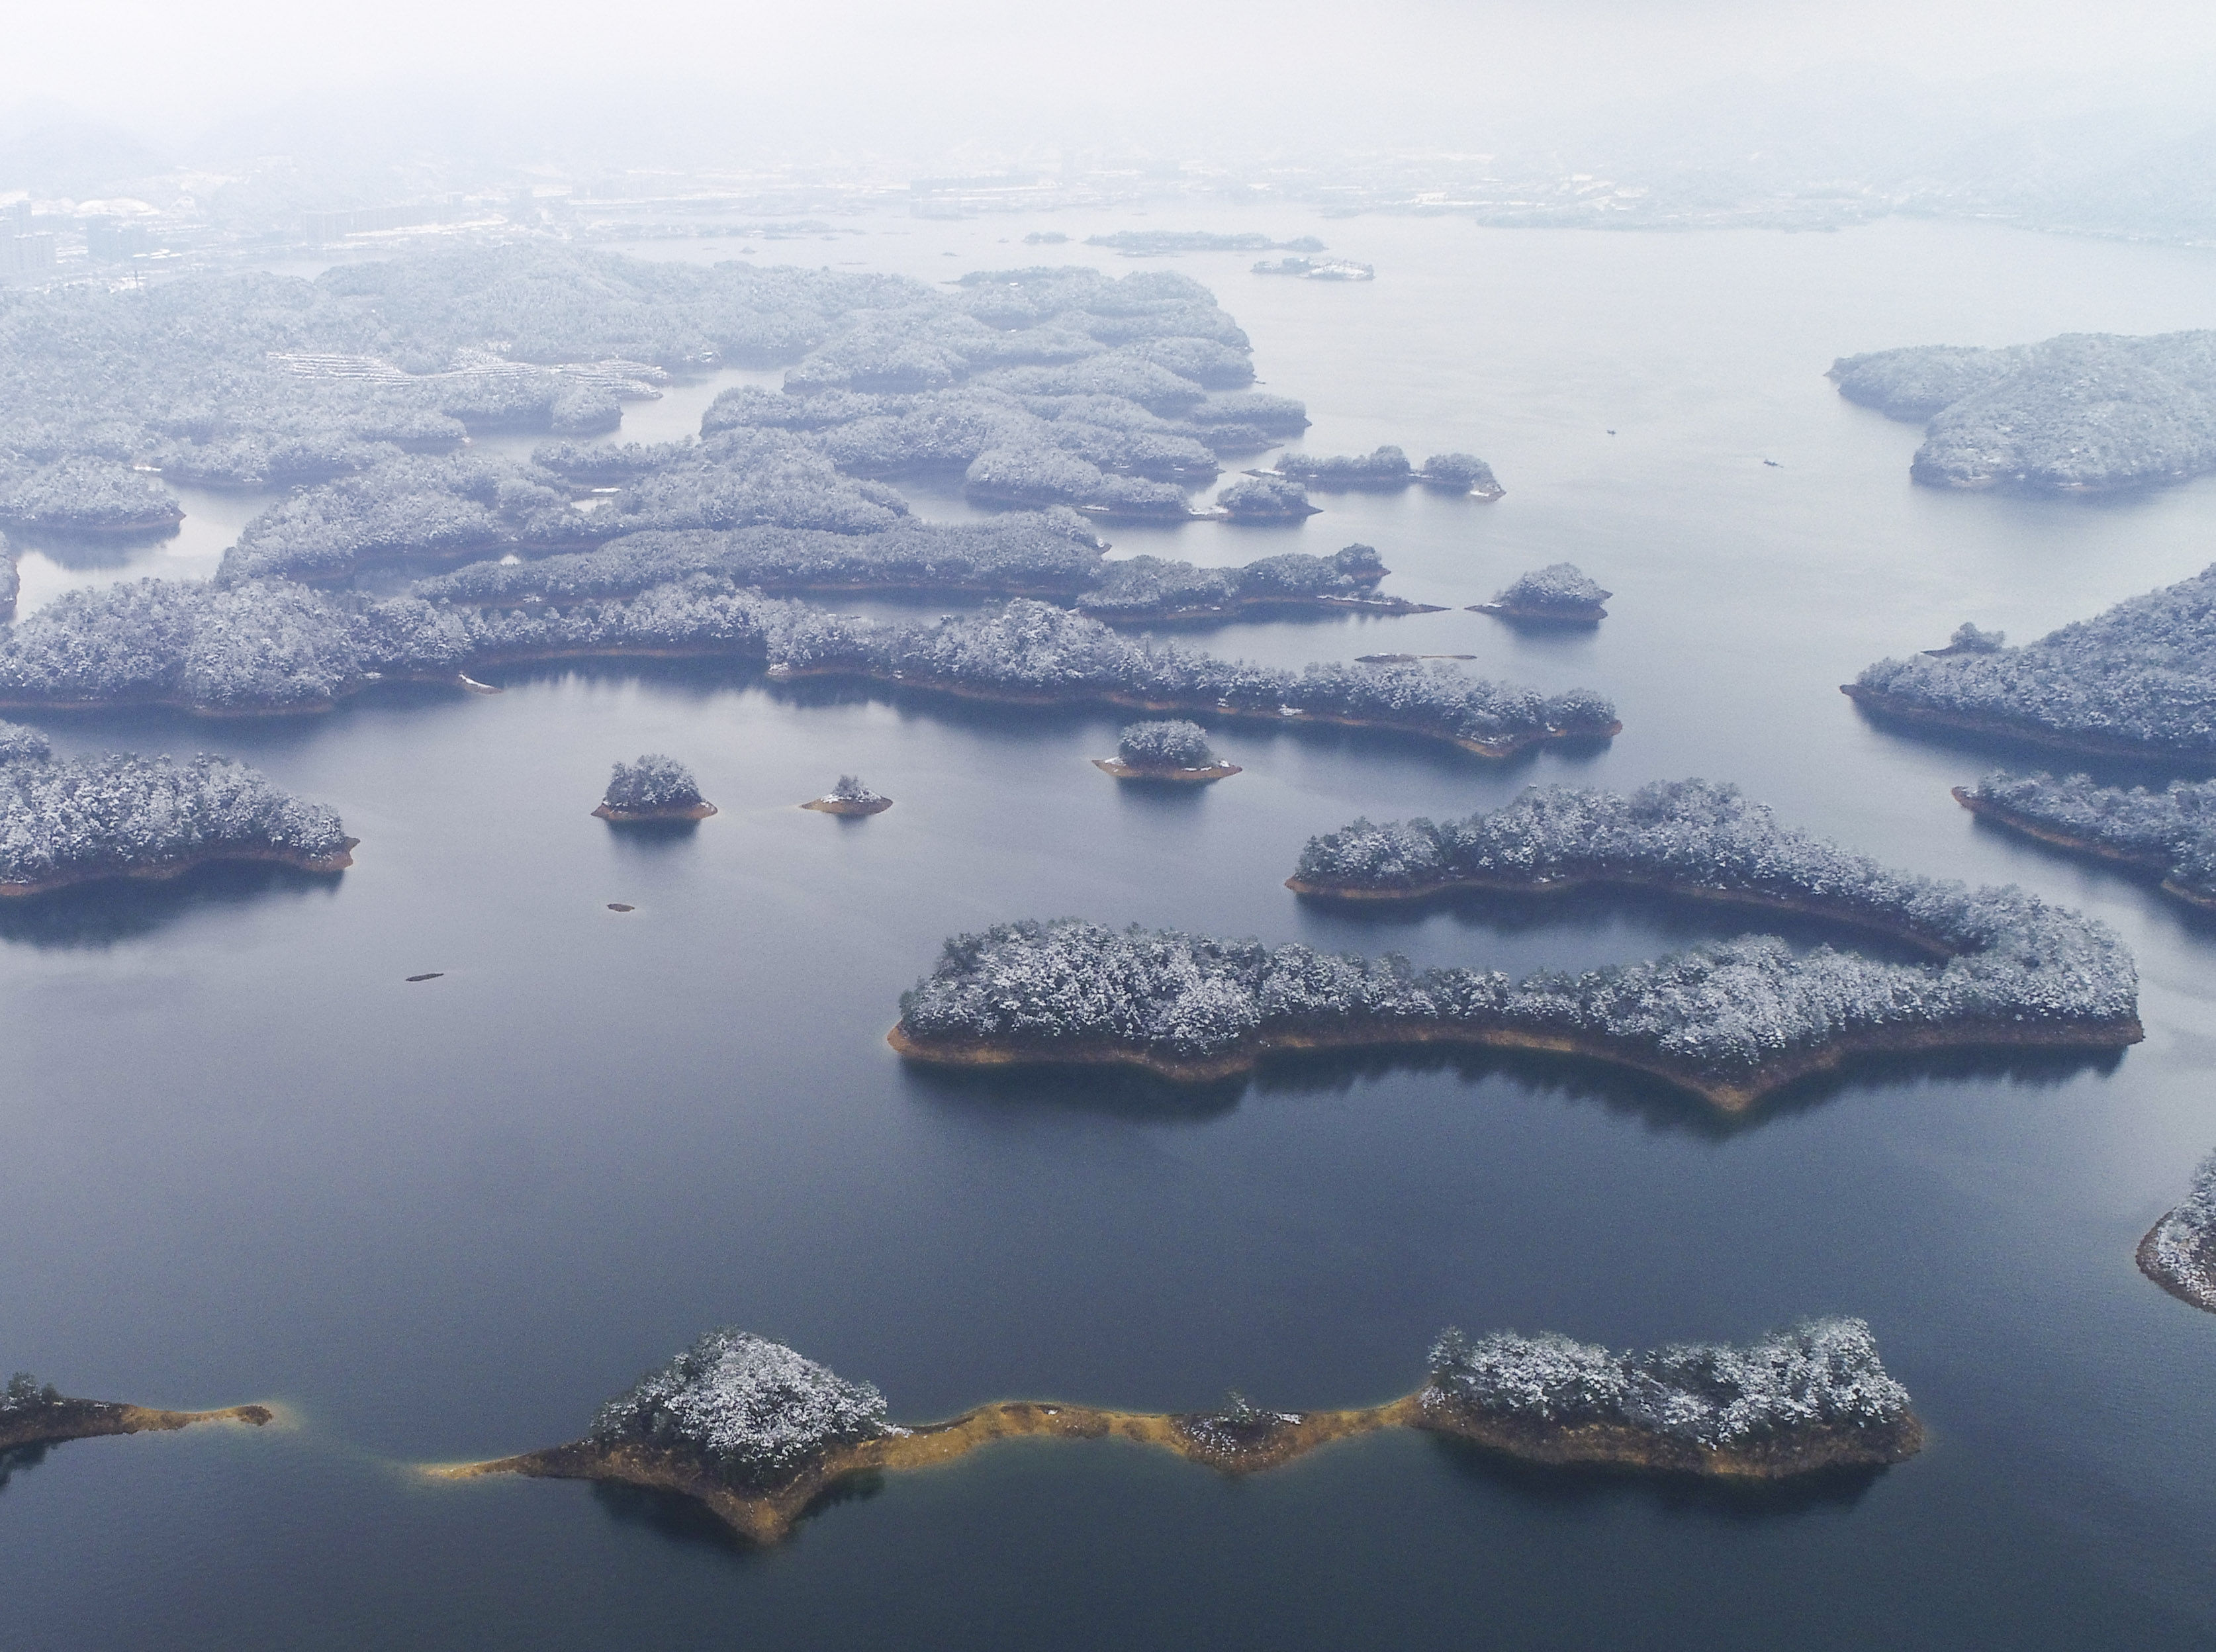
{"x":2082,"y":412}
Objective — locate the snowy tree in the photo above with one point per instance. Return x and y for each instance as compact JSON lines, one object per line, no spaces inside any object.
{"x":753,"y":1410}
{"x":653,"y":782}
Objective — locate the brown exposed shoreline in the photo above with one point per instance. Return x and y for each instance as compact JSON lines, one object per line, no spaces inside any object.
{"x":2138,"y":860}
{"x":66,"y":1419}
{"x":1732,"y":1096}
{"x":1884,"y":706}
{"x":177,"y":868}
{"x":615,"y":816}
{"x":1123,"y":771}
{"x":767,"y":1515}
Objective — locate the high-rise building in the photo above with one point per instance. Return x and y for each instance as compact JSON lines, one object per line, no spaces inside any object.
{"x":26,"y":254}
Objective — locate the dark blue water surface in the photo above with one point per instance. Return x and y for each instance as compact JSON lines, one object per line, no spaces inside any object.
{"x":242,"y":1158}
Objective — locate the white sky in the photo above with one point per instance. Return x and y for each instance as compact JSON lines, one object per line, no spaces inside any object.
{"x":179,"y":65}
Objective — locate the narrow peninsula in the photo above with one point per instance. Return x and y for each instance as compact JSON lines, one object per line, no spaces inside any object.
{"x":2138,"y":682}
{"x":656,"y":787}
{"x":2171,"y":833}
{"x":79,"y":820}
{"x":1174,"y":751}
{"x":758,"y":1435}
{"x":33,"y":1413}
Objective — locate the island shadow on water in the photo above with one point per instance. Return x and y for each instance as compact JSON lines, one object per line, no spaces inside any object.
{"x":1582,"y":1488}
{"x":1134,"y":1096}
{"x":115,"y":911}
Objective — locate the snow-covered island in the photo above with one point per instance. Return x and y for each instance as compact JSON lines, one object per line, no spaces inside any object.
{"x":656,"y":787}
{"x":1168,"y":750}
{"x":33,"y":1413}
{"x":2171,"y":833}
{"x":2080,"y":413}
{"x":1387,"y":469}
{"x":2138,"y":681}
{"x":1034,"y":653}
{"x":757,"y":1433}
{"x":1560,"y":594}
{"x":76,"y":820}
{"x":849,"y":796}
{"x":1730,"y":1021}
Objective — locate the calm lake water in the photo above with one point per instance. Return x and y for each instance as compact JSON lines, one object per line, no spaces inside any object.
{"x":242,"y":1158}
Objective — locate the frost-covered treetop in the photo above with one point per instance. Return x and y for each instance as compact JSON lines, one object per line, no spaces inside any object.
{"x":1823,"y":1373}
{"x":849,"y":789}
{"x":655,"y":781}
{"x":1967,"y":638}
{"x":1171,"y":744}
{"x":24,"y":1392}
{"x":757,"y":1409}
{"x":1558,"y":585}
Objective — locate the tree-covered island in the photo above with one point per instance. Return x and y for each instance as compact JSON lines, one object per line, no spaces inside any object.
{"x":758,"y":1435}
{"x":35,"y":1413}
{"x":1560,"y":594}
{"x":1051,"y":555}
{"x":267,"y":647}
{"x":2080,"y":413}
{"x":849,"y":796}
{"x":2138,"y":681}
{"x":1165,"y":750}
{"x":1730,"y":1021}
{"x":1387,"y":469}
{"x":76,"y":820}
{"x":1735,"y":1021}
{"x":1031,"y":652}
{"x":656,"y":787}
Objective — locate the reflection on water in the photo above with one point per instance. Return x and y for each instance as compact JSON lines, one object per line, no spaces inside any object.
{"x":1585,"y":1487}
{"x":105,"y":915}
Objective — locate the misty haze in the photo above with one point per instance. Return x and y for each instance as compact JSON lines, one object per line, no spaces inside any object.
{"x":873,"y":828}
